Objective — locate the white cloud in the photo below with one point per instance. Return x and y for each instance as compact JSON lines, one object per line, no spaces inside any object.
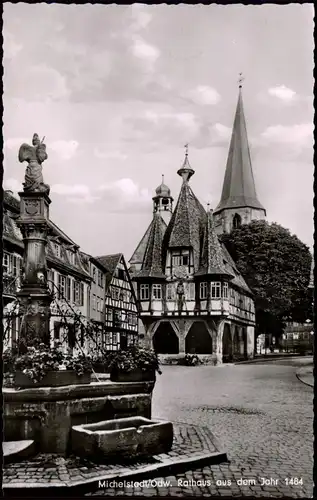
{"x":10,"y":47}
{"x":297,"y":135}
{"x":203,"y":95}
{"x":144,"y":50}
{"x":79,"y":193}
{"x":125,"y":195}
{"x":15,"y":143}
{"x":65,"y":149}
{"x":141,"y":16}
{"x":109,"y":155}
{"x":13,"y":185}
{"x":222,"y":131}
{"x":283,"y":93}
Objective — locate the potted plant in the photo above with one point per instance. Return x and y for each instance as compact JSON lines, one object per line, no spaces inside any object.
{"x":134,"y":364}
{"x":41,"y":366}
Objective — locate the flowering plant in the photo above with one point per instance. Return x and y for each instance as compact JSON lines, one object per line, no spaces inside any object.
{"x":37,"y":361}
{"x":134,"y":358}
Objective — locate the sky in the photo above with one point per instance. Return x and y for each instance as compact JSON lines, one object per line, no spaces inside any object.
{"x":118,"y":91}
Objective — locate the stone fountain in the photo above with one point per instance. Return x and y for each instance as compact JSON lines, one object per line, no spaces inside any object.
{"x":48,"y":417}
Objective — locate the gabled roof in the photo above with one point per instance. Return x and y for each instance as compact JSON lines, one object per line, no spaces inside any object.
{"x":187,"y":223}
{"x":138,"y":255}
{"x":110,"y":263}
{"x":239,"y":186}
{"x":152,"y":262}
{"x":211,"y":261}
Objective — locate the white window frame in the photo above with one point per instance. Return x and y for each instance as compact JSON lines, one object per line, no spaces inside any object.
{"x":93,"y":302}
{"x":157,"y":292}
{"x":191,"y":291}
{"x":62,"y":286}
{"x":169,"y":291}
{"x":215,"y":290}
{"x":144,"y":292}
{"x":225,"y":290}
{"x":57,"y":249}
{"x":115,"y":293}
{"x":203,"y":290}
{"x":6,"y":265}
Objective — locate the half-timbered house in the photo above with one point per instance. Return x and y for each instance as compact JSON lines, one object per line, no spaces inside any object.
{"x":120,"y":304}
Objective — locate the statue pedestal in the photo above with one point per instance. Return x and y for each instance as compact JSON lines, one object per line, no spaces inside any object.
{"x":34,"y":296}
{"x":47,"y":414}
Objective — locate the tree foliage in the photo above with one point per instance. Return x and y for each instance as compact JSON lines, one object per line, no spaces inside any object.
{"x":276,"y":266}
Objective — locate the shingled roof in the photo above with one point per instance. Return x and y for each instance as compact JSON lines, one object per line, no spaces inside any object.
{"x":239,"y":186}
{"x":212,"y":260}
{"x":187,"y":223}
{"x":138,"y":254}
{"x":152,"y":261}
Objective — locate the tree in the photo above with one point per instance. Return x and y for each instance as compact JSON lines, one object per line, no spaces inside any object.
{"x":276,"y":266}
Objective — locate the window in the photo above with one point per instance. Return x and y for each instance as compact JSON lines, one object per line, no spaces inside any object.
{"x":191,"y":291}
{"x":117,"y":318}
{"x":94,"y":302}
{"x":78,"y":293}
{"x":68,"y":288}
{"x":236,"y":221}
{"x":121,"y":274}
{"x":98,"y":304}
{"x":132,"y":319}
{"x":144,"y":292}
{"x":101,"y":305}
{"x":57,"y":249}
{"x":109,"y":315}
{"x":157,"y":292}
{"x":180,"y":260}
{"x":115,"y":293}
{"x":225,"y":290}
{"x":203,"y":289}
{"x":6,"y":263}
{"x":169,"y":291}
{"x":94,"y":274}
{"x":62,"y":286}
{"x":100,"y":278}
{"x":295,"y":336}
{"x":215,"y":290}
{"x":14,"y":265}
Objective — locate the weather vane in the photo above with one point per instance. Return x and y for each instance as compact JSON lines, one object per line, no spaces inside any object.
{"x":241,"y":79}
{"x":186,"y":149}
{"x":162,"y":178}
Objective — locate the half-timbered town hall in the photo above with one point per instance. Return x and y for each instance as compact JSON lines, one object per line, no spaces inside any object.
{"x":192,"y":297}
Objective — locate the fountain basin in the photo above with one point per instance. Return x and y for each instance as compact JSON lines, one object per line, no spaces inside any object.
{"x":122,"y":437}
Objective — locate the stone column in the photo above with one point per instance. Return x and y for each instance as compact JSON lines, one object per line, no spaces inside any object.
{"x":34,"y":296}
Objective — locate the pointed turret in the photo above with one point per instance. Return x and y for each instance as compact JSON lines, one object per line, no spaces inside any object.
{"x":152,"y":261}
{"x":211,"y":262}
{"x":186,"y":171}
{"x":238,"y":190}
{"x":163,"y":201}
{"x":188,"y":219}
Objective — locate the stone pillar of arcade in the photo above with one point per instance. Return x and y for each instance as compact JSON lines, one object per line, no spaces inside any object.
{"x":34,"y":296}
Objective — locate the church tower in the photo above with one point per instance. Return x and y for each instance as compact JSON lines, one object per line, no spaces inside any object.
{"x":163,"y":202}
{"x":239,"y":203}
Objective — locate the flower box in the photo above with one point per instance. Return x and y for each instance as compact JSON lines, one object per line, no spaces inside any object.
{"x":136,"y":375}
{"x":52,"y":379}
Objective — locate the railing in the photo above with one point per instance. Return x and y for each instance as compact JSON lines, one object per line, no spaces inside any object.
{"x":11,"y":284}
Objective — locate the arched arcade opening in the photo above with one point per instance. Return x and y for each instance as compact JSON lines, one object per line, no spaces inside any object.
{"x":226,"y":344}
{"x":198,"y":339}
{"x":165,"y":340}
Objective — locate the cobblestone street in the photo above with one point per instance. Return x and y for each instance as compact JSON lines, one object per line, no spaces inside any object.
{"x":261,"y":413}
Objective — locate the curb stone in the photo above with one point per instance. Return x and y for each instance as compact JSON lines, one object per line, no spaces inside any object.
{"x":306,"y":376}
{"x":177,"y":462}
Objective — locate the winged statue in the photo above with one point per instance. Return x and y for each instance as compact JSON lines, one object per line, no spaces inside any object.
{"x":34,"y":155}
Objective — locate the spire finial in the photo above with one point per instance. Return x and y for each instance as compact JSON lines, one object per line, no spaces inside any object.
{"x":186,"y":150}
{"x":162,"y":178}
{"x":208,"y":206}
{"x":241,"y":79}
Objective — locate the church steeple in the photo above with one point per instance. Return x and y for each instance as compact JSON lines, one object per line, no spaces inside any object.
{"x":239,"y":196}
